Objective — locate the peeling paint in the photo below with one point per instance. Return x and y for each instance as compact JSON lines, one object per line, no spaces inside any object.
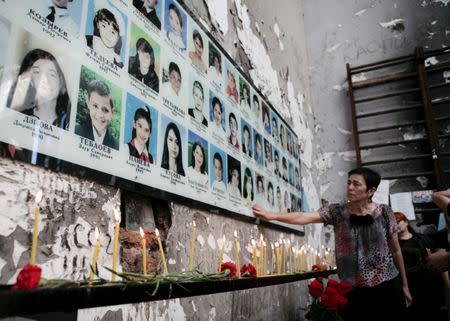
{"x":431,"y":61}
{"x":218,"y":10}
{"x":264,"y":76}
{"x":200,"y":240}
{"x":18,"y":251}
{"x":212,"y":314}
{"x":444,"y":2}
{"x":412,"y":133}
{"x":310,"y":190}
{"x":172,"y":261}
{"x":344,"y":131}
{"x":423,"y":181}
{"x":342,"y":173}
{"x":359,"y":77}
{"x":446,"y":75}
{"x":211,"y":241}
{"x":276,"y":29}
{"x":324,"y":188}
{"x":360,"y":12}
{"x":335,"y":47}
{"x":392,"y":23}
{"x":193,"y":306}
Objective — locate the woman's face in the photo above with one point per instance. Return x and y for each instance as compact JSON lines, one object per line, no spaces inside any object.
{"x":108,"y":34}
{"x":198,"y":46}
{"x":357,"y":188}
{"x":145,"y":59}
{"x":258,"y":148}
{"x":197,"y":94}
{"x":268,"y":154}
{"x":233,"y":127}
{"x":235,"y":178}
{"x":142,"y":130}
{"x":198,"y":158}
{"x":402,"y":226}
{"x":175,"y":81}
{"x":45,"y":79}
{"x":246,"y":138}
{"x":231,"y":81}
{"x":216,"y":63}
{"x":245,"y":93}
{"x":218,"y":170}
{"x":217,"y":114}
{"x":270,"y":195}
{"x":173,"y":145}
{"x":175,"y":22}
{"x":249,"y":186}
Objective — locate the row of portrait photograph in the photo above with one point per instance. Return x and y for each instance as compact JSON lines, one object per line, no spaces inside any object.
{"x":63,"y":96}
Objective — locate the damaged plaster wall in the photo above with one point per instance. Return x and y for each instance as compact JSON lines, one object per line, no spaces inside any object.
{"x":359,"y":32}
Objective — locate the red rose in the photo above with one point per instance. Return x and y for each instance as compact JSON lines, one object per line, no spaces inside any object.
{"x":329,"y":302}
{"x":315,"y":288}
{"x":248,"y":270}
{"x":344,"y":287}
{"x":333,"y":284}
{"x":229,"y":266}
{"x":28,"y":278}
{"x":315,"y":267}
{"x":341,"y":301}
{"x":331,"y":290}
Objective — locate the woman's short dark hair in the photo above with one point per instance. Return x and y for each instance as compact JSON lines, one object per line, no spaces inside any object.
{"x":197,"y":35}
{"x":216,"y":101}
{"x":219,"y":158}
{"x":174,"y":8}
{"x":247,"y":176}
{"x":371,"y":177}
{"x":194,"y":146}
{"x":174,"y":67}
{"x":142,"y":113}
{"x":199,"y":86}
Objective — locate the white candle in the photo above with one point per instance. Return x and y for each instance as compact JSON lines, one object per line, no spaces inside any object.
{"x":161,"y":251}
{"x":116,"y":243}
{"x":144,"y":251}
{"x":192,"y":252}
{"x":34,"y":241}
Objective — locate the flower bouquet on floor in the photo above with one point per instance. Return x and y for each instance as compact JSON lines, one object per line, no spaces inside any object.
{"x":329,"y":297}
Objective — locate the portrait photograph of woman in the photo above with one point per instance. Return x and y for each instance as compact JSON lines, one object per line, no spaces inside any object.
{"x":141,"y":129}
{"x":197,"y":158}
{"x":171,"y":145}
{"x":248,"y":192}
{"x":218,"y":165}
{"x":215,"y":73}
{"x":247,"y":139}
{"x":106,"y":30}
{"x":151,"y":9}
{"x":197,"y":103}
{"x":143,"y":63}
{"x":244,"y":91}
{"x":197,"y":51}
{"x":175,"y":25}
{"x":234,"y":177}
{"x":231,"y":84}
{"x":217,"y":114}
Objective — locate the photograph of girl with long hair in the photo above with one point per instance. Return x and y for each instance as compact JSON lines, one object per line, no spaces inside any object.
{"x":172,"y":153}
{"x":142,"y":65}
{"x":139,"y":145}
{"x":198,"y":159}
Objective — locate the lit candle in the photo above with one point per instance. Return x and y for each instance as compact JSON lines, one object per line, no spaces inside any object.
{"x":163,"y":257}
{"x":277,"y":247}
{"x":144,"y":251}
{"x":95,"y":256}
{"x":290,"y":255}
{"x":192,"y":252}
{"x":273,"y":258}
{"x":35,"y":227}
{"x":254,"y":253}
{"x":260,"y":263}
{"x":221,"y":252}
{"x":116,"y":243}
{"x":264,"y":272}
{"x":283,"y":256}
{"x":236,"y":253}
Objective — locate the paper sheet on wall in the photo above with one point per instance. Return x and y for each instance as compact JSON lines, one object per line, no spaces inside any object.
{"x":402,"y":202}
{"x":381,"y":196}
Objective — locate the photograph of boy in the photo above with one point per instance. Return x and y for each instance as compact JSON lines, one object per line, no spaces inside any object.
{"x":99,"y":105}
{"x":215,"y":66}
{"x":173,"y":83}
{"x":143,"y":63}
{"x":198,"y":103}
{"x":234,"y":177}
{"x":197,"y":159}
{"x":141,"y":127}
{"x":218,"y":165}
{"x":106,"y":30}
{"x":65,"y":14}
{"x":150,"y":10}
{"x":175,"y":25}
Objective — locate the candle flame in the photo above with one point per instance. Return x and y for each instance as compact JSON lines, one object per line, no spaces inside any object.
{"x":38,"y":197}
{"x":97,"y":234}
{"x":277,"y":244}
{"x":193,"y":223}
{"x":156,"y":232}
{"x":261,"y":237}
{"x":117,"y":216}
{"x":224,"y":239}
{"x":253,"y":242}
{"x":235,"y":233}
{"x":271,"y":245}
{"x":141,"y":231}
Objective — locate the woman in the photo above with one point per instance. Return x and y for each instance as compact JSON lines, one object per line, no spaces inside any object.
{"x":248,"y":186}
{"x":245,"y":97}
{"x":41,"y":91}
{"x":197,"y":168}
{"x":172,"y":158}
{"x":142,"y":65}
{"x":140,"y":136}
{"x":368,"y":253}
{"x":217,"y":114}
{"x":196,"y":56}
{"x":176,"y":28}
{"x":246,"y":141}
{"x":426,"y":287}
{"x":215,"y":67}
{"x":234,"y":188}
{"x":198,"y":98}
{"x":231,"y":90}
{"x":106,"y":39}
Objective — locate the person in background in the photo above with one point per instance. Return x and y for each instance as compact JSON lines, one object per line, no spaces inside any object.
{"x":427,"y":288}
{"x":148,"y":9}
{"x":368,"y":253}
{"x":140,"y":136}
{"x":142,"y":65}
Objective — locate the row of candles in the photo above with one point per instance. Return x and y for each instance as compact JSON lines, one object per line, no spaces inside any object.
{"x":285,"y":258}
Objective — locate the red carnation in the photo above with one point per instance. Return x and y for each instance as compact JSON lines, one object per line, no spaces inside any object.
{"x":315,"y":288}
{"x":248,"y":270}
{"x":344,"y":287}
{"x":229,"y":266}
{"x":28,"y":278}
